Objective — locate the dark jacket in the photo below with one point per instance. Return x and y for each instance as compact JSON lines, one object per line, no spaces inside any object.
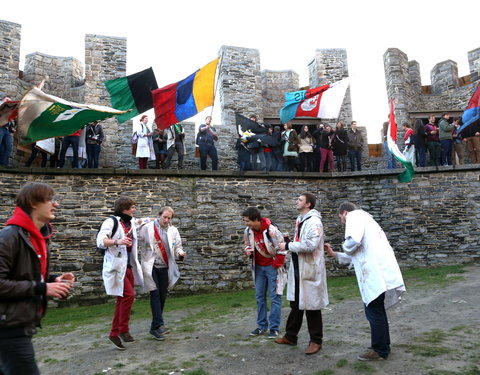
{"x":94,"y":134}
{"x":419,"y":135}
{"x":326,"y":139}
{"x":355,"y":140}
{"x":340,"y":142}
{"x":23,"y":299}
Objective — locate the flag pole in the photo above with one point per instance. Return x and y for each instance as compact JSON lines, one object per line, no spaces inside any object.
{"x":219,"y":69}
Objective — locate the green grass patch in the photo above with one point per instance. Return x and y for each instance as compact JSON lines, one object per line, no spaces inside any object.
{"x":469,"y":370}
{"x":196,"y":372}
{"x":213,"y":306}
{"x":363,"y":367}
{"x":342,"y":363}
{"x":324,"y":372}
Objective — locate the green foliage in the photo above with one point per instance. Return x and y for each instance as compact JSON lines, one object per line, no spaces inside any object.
{"x":324,"y":372}
{"x":196,"y":372}
{"x":342,"y":363}
{"x":216,"y":305}
{"x":363,"y":367}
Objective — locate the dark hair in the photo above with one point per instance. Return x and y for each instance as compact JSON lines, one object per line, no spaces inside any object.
{"x":406,"y":124}
{"x":166,"y":208}
{"x":141,"y":118}
{"x":310,"y":198}
{"x":346,"y":206}
{"x":122,"y":204}
{"x":254,"y":116}
{"x":253,"y":214}
{"x":31,"y":193}
{"x":304,"y":134}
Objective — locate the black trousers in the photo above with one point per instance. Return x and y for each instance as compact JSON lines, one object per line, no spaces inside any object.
{"x":295,"y":318}
{"x":17,"y":356}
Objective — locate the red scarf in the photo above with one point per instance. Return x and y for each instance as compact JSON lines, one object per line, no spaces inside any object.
{"x":39,"y":241}
{"x":160,"y":244}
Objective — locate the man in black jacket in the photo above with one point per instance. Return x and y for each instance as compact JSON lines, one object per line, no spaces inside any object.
{"x":24,"y":280}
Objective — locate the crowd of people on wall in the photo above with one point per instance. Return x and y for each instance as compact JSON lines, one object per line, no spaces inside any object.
{"x":436,"y":142}
{"x":307,"y":148}
{"x":324,"y":149}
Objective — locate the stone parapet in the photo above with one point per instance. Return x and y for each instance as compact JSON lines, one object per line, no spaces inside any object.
{"x":430,"y":221}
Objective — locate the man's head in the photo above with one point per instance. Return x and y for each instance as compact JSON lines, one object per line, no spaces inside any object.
{"x":144,"y":119}
{"x":354,"y":125}
{"x":406,"y":126}
{"x":124,"y":205}
{"x":344,"y":209}
{"x":288,"y":126}
{"x":252,"y":218}
{"x":446,"y":116}
{"x":165,"y":216}
{"x":253,"y":118}
{"x":431,"y":119}
{"x":208,"y":120}
{"x":37,"y":199}
{"x":305,"y":202}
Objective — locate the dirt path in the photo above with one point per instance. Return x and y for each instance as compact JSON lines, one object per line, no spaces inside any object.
{"x":433,"y":332}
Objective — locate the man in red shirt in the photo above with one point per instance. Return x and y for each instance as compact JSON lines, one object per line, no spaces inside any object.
{"x":262,"y":239}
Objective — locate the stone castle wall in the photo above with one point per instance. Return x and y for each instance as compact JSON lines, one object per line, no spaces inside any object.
{"x":433,"y":220}
{"x":447,"y":92}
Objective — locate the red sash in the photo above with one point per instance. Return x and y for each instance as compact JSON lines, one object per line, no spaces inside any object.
{"x":161,"y":245}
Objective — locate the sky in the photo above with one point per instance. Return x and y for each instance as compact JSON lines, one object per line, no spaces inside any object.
{"x":178,"y":37}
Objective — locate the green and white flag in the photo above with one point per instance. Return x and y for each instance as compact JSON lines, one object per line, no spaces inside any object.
{"x":42,"y":116}
{"x":409,"y":172}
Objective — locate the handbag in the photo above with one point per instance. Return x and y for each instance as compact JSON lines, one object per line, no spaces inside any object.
{"x":134,"y":139}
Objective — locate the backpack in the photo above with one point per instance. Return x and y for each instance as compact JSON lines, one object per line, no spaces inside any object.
{"x":101,"y":250}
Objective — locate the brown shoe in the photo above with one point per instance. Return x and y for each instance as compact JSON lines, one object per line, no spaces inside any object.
{"x":284,"y":341}
{"x":126,"y":337}
{"x":313,"y":347}
{"x":370,"y":355}
{"x":115,"y":340}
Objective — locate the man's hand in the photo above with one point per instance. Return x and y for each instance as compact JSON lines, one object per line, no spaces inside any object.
{"x":68,"y":278}
{"x":248,"y":251}
{"x":58,"y":289}
{"x":328,"y":249}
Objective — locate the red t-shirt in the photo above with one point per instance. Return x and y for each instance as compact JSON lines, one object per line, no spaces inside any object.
{"x":259,"y":241}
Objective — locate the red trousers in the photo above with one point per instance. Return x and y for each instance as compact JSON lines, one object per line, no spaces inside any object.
{"x":142,"y":163}
{"x":123,"y":306}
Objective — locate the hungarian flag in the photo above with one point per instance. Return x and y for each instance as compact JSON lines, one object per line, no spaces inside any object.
{"x":407,"y":175}
{"x":42,"y":116}
{"x":322,"y":102}
{"x":472,"y":113}
{"x":184,"y":99}
{"x":133,"y":92}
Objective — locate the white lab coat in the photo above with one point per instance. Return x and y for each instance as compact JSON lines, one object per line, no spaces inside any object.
{"x":115,"y":258}
{"x":144,"y":143}
{"x":366,"y":246}
{"x":147,"y":240}
{"x":313,"y":293}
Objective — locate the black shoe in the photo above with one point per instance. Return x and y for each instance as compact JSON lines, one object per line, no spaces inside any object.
{"x":157,"y":335}
{"x":163,"y":330}
{"x":126,"y":337}
{"x":115,"y":340}
{"x":258,"y":332}
{"x":273,"y":334}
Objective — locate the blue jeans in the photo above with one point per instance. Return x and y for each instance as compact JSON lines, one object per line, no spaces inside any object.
{"x":93,"y":154}
{"x":377,"y":317}
{"x":266,"y":280}
{"x":420,"y":151}
{"x":5,"y":145}
{"x":17,"y":356}
{"x":447,"y":146}
{"x":158,"y":296}
{"x":210,"y":150}
{"x":258,"y":164}
{"x":68,"y":140}
{"x":355,"y":158}
{"x":391,"y":161}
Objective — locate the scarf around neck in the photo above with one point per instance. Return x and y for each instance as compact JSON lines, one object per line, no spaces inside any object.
{"x":39,"y":241}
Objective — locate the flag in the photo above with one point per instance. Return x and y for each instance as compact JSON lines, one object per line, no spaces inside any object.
{"x":472,"y":113}
{"x":407,"y":175}
{"x":7,"y":111}
{"x":244,"y":124}
{"x":184,"y":99}
{"x":132,"y":92}
{"x":322,"y":102}
{"x":42,"y":116}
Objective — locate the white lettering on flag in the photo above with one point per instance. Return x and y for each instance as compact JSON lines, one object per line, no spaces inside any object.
{"x":68,"y":114}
